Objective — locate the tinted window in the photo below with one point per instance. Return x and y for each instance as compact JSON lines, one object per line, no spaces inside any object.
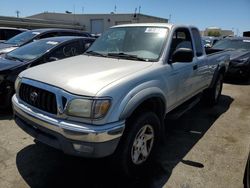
{"x":6,"y":34}
{"x":197,"y":42}
{"x":68,"y":50}
{"x":181,"y":39}
{"x":47,"y":35}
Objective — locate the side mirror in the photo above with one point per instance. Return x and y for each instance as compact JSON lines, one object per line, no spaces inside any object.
{"x":183,"y":55}
{"x":52,"y":59}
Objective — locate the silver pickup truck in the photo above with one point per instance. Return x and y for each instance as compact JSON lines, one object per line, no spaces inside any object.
{"x":113,"y":99}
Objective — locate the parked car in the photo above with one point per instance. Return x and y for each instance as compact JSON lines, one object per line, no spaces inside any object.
{"x":208,"y":42}
{"x":36,"y":34}
{"x":246,"y":179}
{"x":239,"y":65}
{"x":33,"y":54}
{"x":9,"y":32}
{"x":113,"y":99}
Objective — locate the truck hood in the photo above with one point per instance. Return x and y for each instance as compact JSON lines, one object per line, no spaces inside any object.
{"x":84,"y":75}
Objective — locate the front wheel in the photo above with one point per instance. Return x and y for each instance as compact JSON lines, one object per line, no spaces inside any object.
{"x":136,"y":149}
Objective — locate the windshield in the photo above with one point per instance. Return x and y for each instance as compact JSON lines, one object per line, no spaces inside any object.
{"x":32,"y":50}
{"x":232,"y":44}
{"x":143,"y":43}
{"x":22,"y":38}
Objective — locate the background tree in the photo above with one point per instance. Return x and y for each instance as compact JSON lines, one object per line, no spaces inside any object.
{"x":214,"y":33}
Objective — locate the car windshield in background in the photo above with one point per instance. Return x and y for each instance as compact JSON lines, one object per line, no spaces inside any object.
{"x":137,"y":43}
{"x":22,"y":38}
{"x":233,"y":44}
{"x":31,"y":51}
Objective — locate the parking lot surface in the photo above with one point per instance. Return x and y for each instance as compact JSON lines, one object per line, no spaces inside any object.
{"x":206,"y":147}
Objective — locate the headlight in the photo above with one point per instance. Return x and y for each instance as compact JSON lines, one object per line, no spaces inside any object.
{"x":17,"y":83}
{"x":88,"y":108}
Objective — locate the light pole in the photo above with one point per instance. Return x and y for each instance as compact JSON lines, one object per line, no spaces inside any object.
{"x":17,"y":13}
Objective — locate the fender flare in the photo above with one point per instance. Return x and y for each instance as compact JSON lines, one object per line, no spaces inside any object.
{"x":216,"y":74}
{"x":139,"y":98}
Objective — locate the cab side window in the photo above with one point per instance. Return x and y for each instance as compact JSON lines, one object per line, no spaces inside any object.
{"x":47,"y":35}
{"x":68,"y":50}
{"x":181,"y":39}
{"x":197,"y":42}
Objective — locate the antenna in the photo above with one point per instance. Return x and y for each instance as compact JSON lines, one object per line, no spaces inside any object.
{"x":115,"y":9}
{"x":17,"y":13}
{"x":82,"y":10}
{"x":139,"y":9}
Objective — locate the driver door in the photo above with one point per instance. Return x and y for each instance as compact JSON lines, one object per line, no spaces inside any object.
{"x":183,"y":72}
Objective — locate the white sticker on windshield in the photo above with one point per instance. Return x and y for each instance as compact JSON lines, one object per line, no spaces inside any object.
{"x":52,"y":42}
{"x":155,"y":30}
{"x":35,"y":33}
{"x":246,"y":40}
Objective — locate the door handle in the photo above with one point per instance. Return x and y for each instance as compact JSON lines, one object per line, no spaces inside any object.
{"x":195,"y":67}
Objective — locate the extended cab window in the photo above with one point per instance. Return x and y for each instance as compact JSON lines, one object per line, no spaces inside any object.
{"x":197,"y":42}
{"x":181,"y":39}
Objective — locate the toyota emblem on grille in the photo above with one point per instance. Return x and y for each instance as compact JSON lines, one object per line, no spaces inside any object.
{"x":33,"y":96}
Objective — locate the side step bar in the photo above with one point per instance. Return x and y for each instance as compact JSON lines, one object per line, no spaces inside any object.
{"x":179,"y":111}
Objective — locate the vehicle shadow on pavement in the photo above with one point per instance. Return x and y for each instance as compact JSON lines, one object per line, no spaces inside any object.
{"x":41,"y":166}
{"x":6,"y":115}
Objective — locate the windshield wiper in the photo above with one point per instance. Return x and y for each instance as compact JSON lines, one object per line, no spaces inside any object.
{"x":95,"y":53}
{"x":127,"y":56}
{"x":14,"y":58}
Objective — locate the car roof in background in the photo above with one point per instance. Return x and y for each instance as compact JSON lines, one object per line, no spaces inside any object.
{"x":56,"y":29}
{"x":13,"y":28}
{"x":64,"y":38}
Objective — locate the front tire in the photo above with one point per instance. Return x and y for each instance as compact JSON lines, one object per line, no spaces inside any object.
{"x":137,"y":146}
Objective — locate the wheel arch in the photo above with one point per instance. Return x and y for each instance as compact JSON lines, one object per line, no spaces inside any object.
{"x":145,"y":100}
{"x":219,"y":70}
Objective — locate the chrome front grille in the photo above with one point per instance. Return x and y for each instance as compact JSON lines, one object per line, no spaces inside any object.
{"x":39,"y":98}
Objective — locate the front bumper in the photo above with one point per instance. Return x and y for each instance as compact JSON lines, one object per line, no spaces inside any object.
{"x":70,"y":137}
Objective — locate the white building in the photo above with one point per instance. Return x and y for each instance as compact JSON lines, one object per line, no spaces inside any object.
{"x":97,"y":23}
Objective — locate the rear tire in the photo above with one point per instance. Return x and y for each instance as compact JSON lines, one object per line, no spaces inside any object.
{"x":137,"y":146}
{"x":212,"y":95}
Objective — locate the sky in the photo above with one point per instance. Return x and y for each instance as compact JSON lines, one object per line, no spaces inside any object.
{"x":226,"y":14}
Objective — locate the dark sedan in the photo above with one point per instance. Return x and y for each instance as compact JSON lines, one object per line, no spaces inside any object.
{"x":36,"y":53}
{"x":8,"y":32}
{"x":36,"y":34}
{"x":239,"y":65}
